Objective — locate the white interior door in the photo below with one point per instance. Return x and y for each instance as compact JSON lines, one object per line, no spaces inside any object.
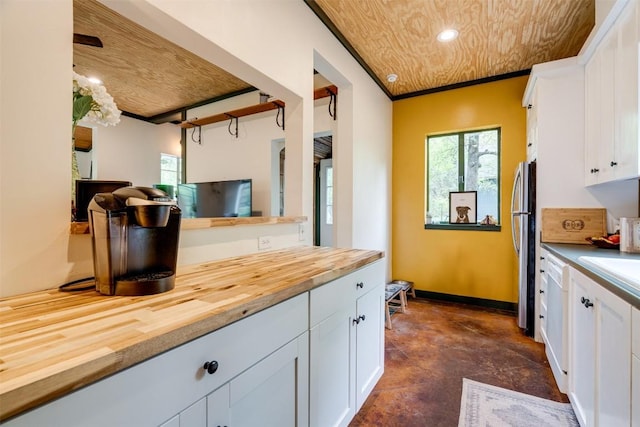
{"x":326,"y":202}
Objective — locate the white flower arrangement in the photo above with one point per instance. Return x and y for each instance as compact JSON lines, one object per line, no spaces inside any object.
{"x":92,"y":102}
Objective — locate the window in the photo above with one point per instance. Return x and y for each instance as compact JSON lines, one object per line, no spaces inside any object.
{"x":170,"y":170}
{"x":463,"y":161}
{"x":329,"y":195}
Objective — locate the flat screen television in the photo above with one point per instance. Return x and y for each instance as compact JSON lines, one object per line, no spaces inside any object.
{"x":215,"y":199}
{"x":86,"y":189}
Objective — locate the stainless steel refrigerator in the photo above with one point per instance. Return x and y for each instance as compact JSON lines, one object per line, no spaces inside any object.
{"x":523,"y":229}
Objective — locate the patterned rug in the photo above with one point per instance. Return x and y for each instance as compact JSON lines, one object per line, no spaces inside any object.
{"x":484,"y":405}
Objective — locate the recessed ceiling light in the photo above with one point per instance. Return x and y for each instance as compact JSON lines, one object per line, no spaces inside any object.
{"x":95,"y":80}
{"x":392,"y":78}
{"x":447,"y":35}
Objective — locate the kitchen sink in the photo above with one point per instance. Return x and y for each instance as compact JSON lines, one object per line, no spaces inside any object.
{"x":623,"y":269}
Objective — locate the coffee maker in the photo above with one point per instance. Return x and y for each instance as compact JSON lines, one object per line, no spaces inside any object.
{"x":134,"y":236}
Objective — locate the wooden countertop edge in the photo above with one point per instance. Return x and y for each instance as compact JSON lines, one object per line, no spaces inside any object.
{"x":203,"y":223}
{"x":22,"y":398}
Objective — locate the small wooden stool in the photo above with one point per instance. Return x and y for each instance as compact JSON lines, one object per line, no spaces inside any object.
{"x":394,"y":300}
{"x":407,"y":288}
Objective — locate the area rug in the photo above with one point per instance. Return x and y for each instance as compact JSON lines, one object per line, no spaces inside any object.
{"x":484,"y":405}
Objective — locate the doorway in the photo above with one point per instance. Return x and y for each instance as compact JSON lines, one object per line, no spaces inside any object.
{"x":324,"y":184}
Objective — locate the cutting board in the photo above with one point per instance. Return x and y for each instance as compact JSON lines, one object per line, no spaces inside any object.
{"x":573,"y":225}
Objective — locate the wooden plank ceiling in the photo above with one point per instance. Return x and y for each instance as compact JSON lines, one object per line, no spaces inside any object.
{"x":497,"y":37}
{"x":146,"y":74}
{"x":153,"y":78}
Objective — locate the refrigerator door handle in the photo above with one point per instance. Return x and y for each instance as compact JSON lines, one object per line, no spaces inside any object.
{"x":516,"y":183}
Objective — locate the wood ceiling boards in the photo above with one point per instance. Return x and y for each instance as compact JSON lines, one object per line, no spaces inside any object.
{"x":146,"y":74}
{"x":497,"y":37}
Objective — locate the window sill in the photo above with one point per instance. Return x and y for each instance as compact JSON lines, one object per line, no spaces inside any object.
{"x":465,"y":227}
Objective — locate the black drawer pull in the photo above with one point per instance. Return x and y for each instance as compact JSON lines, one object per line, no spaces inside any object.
{"x":541,"y":316}
{"x":586,"y":302}
{"x":360,"y":285}
{"x":211,"y":367}
{"x":542,"y":291}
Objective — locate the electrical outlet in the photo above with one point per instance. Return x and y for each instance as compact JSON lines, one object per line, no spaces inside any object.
{"x":264,"y":242}
{"x":301,"y":233}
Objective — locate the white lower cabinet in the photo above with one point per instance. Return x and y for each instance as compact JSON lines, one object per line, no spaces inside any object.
{"x":269,"y":369}
{"x":262,"y":363}
{"x":346,"y":345}
{"x":600,"y":354}
{"x":635,"y":369}
{"x":268,"y":394}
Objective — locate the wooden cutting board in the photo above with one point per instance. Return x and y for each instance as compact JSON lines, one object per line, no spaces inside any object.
{"x":573,"y":225}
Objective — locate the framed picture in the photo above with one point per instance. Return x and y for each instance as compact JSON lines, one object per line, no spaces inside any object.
{"x":462,"y":207}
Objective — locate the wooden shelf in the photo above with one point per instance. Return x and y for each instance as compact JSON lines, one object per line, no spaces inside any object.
{"x":241,"y":112}
{"x":254,"y":109}
{"x":325,"y":91}
{"x":202,"y":223}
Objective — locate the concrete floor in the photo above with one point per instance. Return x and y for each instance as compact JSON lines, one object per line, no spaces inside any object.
{"x":433,"y":346}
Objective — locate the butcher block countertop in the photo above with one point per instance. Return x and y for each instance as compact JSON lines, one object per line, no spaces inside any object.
{"x":52,"y":343}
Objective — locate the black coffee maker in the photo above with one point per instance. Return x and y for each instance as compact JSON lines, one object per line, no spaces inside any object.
{"x":134,"y":235}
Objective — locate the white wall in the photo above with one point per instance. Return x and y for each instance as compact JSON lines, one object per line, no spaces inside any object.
{"x":273,"y":45}
{"x":131,"y":150}
{"x":35,"y":138}
{"x":222,"y":156}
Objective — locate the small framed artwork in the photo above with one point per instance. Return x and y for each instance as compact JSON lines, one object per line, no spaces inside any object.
{"x":462,"y":207}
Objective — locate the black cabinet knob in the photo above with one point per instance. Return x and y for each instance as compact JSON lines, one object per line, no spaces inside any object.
{"x":595,"y":170}
{"x":586,"y":302}
{"x":541,"y":291}
{"x":356,"y":321}
{"x":541,"y":270}
{"x":360,"y":285}
{"x":361,"y":317}
{"x":211,"y":367}
{"x":613,"y":164}
{"x":541,"y":316}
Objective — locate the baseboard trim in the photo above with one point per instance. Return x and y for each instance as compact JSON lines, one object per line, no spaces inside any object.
{"x":510,"y":307}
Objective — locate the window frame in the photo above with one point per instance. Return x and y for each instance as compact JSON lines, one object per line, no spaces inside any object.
{"x":461,"y":183}
{"x":178,"y":172}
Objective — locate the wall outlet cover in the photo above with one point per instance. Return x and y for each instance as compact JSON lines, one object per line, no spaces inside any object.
{"x":264,"y":242}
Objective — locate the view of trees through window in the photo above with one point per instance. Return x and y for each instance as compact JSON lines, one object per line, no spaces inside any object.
{"x":170,"y":170}
{"x":463,"y":161}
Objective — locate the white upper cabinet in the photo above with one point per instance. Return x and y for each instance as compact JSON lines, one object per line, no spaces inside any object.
{"x":611,"y":110}
{"x":532,"y":128}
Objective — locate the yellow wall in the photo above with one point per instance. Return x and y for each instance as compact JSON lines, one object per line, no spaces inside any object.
{"x":478,"y":264}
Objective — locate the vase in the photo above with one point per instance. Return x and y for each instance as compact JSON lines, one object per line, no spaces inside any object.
{"x":75,"y":171}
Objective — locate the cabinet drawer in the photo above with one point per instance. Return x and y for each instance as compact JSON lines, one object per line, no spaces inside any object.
{"x":544,"y":285}
{"x":152,"y":392}
{"x":342,"y":292}
{"x":555,"y":269}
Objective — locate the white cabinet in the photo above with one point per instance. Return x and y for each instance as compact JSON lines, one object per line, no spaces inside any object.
{"x":600,"y":354}
{"x":532,"y":128}
{"x":555,"y":126}
{"x":346,"y":345}
{"x":611,"y":86}
{"x":255,"y":356}
{"x":268,"y":394}
{"x":635,"y":369}
{"x":269,"y":369}
{"x":554,"y":315}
